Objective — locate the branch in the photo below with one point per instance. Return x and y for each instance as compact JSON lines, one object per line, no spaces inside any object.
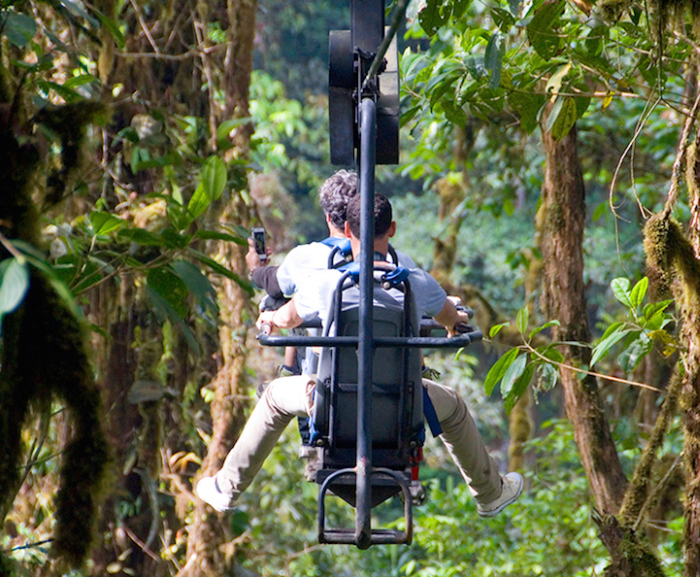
{"x":678,"y":162}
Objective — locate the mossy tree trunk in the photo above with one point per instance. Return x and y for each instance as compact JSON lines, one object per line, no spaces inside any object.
{"x":563,"y":218}
{"x":206,"y":551}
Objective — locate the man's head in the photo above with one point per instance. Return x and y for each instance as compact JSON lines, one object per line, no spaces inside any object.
{"x":384,"y":226}
{"x":335,"y":194}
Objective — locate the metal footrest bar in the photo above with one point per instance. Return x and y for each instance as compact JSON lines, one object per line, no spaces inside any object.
{"x":377,"y":536}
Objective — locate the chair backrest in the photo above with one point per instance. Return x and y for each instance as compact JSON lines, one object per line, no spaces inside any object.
{"x":397,"y":394}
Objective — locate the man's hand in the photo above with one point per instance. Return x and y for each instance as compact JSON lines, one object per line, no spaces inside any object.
{"x":265,"y":323}
{"x":252,"y":258}
{"x":285,"y":317}
{"x":449,"y":317}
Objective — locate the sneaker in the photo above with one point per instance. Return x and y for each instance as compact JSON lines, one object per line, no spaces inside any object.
{"x":208,"y":491}
{"x":512,"y":486}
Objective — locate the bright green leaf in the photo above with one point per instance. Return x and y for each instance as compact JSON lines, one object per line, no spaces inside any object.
{"x":519,"y":387}
{"x":494,"y":58}
{"x":104,"y":222}
{"x":214,"y":176}
{"x":635,"y":352}
{"x":213,"y":235}
{"x":496,"y":329}
{"x":512,"y":374}
{"x":522,"y":319}
{"x":498,"y":370}
{"x":546,"y":325}
{"x":620,"y":287}
{"x":638,"y":292}
{"x":606,"y":344}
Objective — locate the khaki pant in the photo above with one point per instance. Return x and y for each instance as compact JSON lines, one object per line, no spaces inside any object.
{"x":290,"y":397}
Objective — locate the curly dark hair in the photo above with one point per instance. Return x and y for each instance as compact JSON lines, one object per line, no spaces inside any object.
{"x":382,"y":215}
{"x":335,"y":194}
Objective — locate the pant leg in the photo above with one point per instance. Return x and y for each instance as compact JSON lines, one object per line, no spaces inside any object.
{"x":464,"y":443}
{"x":283,"y":399}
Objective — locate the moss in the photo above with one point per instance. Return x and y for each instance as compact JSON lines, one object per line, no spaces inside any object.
{"x":44,"y":354}
{"x":612,"y":10}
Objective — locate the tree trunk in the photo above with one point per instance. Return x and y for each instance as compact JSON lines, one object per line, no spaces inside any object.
{"x":563,"y":217}
{"x":205,"y":552}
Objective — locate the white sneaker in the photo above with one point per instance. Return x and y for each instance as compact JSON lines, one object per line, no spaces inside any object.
{"x":208,"y":491}
{"x":512,"y":484}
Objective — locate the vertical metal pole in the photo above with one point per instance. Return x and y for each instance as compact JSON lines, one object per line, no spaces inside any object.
{"x":367,"y":24}
{"x":368,"y":129}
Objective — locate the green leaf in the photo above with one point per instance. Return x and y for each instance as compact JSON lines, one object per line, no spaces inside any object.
{"x":166,"y":312}
{"x":104,"y":223}
{"x":651,"y":310}
{"x":522,"y":319}
{"x":213,"y":235}
{"x":546,"y":325}
{"x":199,"y":202}
{"x":214,"y":177}
{"x":196,"y":282}
{"x":496,"y":329}
{"x":606,"y":344}
{"x":600,"y":210}
{"x":542,"y":30}
{"x":562,"y":117}
{"x":170,"y":287}
{"x":14,"y":283}
{"x":494,"y":58}
{"x":620,"y":287}
{"x":113,"y":28}
{"x":550,"y":353}
{"x":547,"y":377}
{"x":528,"y":107}
{"x":142,"y":237}
{"x":432,"y":16}
{"x":639,"y":292}
{"x":175,"y":240}
{"x":498,"y":370}
{"x":222,"y":270}
{"x":512,"y":374}
{"x":635,"y":352}
{"x":18,"y":28}
{"x":519,"y":387}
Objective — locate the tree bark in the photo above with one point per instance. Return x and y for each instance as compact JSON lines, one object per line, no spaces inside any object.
{"x":563,"y":217}
{"x":206,"y":554}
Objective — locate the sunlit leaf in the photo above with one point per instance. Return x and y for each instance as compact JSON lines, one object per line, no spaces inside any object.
{"x":512,"y":374}
{"x":519,"y":387}
{"x":498,"y":370}
{"x":620,"y":287}
{"x":638,"y":292}
{"x":104,"y":222}
{"x":522,"y":319}
{"x":606,"y":344}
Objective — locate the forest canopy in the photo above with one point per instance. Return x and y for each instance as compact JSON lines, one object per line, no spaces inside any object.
{"x":548,"y":175}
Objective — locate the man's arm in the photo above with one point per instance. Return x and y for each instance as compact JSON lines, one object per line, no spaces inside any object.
{"x":449,"y":317}
{"x":264,"y":277}
{"x":285,"y":317}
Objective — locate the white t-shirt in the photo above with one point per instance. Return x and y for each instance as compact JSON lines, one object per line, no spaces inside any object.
{"x":307,"y":259}
{"x":314,"y":296}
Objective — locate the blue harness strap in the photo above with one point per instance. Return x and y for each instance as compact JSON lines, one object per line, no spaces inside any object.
{"x":343,"y":244}
{"x":430,"y":414}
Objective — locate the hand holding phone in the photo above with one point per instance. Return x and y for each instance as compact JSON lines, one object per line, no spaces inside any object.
{"x":258,"y":234}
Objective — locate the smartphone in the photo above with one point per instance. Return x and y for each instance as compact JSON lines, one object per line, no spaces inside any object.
{"x":258,"y":234}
